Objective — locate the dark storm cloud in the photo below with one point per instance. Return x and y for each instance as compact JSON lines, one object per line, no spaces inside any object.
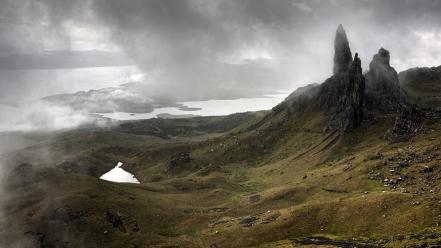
{"x":186,"y":41}
{"x":193,"y":45}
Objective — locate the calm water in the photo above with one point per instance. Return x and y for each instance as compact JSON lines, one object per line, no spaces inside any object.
{"x":208,"y":108}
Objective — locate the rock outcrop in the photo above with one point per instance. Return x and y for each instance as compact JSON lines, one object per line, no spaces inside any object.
{"x":383,"y":93}
{"x":407,"y":124}
{"x":341,"y":96}
{"x":348,"y":96}
{"x":342,"y":55}
{"x":349,"y":109}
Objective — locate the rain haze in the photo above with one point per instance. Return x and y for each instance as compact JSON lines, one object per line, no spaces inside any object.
{"x":190,"y":50}
{"x":220,"y":123}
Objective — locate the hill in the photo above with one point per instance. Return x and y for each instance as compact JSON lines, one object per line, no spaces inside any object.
{"x":345,"y":163}
{"x":422,"y":86}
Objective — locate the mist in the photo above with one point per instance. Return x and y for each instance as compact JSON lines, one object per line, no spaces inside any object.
{"x":72,"y":71}
{"x":197,"y":49}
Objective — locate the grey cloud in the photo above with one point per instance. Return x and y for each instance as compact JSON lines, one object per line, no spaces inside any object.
{"x":193,"y":45}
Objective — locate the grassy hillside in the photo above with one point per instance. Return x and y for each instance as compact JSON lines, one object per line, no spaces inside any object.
{"x":422,"y":86}
{"x":257,"y":180}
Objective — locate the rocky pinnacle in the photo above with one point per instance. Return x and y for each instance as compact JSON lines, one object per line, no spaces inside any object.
{"x":382,"y":87}
{"x":342,"y":55}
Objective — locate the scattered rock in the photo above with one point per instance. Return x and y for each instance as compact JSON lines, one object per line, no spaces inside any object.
{"x":179,"y":160}
{"x":248,"y":221}
{"x":404,"y":164}
{"x":219,"y":222}
{"x":426,"y":169}
{"x":376,"y":156}
{"x":322,"y":241}
{"x":116,"y":220}
{"x":347,"y":167}
{"x":218,"y":210}
{"x":407,"y":124}
{"x":404,"y":190}
{"x":273,"y":217}
{"x":254,"y":198}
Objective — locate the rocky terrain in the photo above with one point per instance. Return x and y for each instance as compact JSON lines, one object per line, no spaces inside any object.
{"x":350,"y":162}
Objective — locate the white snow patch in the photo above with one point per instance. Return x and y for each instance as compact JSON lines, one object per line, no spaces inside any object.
{"x":119,"y":175}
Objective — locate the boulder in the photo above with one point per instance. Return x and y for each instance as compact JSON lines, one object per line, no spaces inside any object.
{"x":179,"y":160}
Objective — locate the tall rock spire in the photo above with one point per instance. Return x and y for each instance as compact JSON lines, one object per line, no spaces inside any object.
{"x":349,"y":103}
{"x":342,"y":55}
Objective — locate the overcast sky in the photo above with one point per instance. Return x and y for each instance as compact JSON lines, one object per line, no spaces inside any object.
{"x":193,"y":45}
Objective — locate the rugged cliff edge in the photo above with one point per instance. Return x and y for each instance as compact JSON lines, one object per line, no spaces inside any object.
{"x":341,"y":96}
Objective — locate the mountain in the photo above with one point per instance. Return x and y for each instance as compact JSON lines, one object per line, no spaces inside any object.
{"x":345,"y":163}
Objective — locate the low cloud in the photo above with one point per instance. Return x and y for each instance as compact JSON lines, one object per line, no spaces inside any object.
{"x":40,"y":116}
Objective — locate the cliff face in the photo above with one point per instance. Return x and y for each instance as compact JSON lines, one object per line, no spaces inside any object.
{"x":342,"y":94}
{"x":383,"y":92}
{"x":347,"y":113}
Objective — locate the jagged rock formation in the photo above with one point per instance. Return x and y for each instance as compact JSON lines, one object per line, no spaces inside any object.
{"x":407,"y":124}
{"x":349,"y":109}
{"x":348,"y":96}
{"x":340,"y":96}
{"x":342,"y":55}
{"x":383,"y":92}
